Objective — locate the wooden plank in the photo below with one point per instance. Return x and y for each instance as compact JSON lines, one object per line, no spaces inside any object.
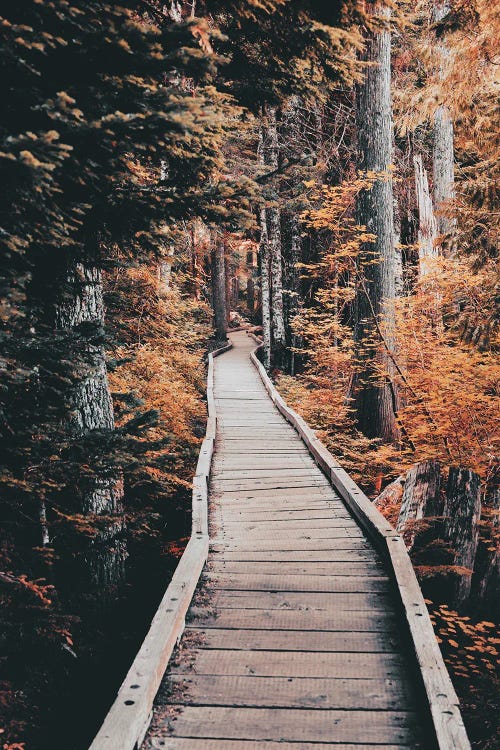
{"x":295,"y":725}
{"x":300,"y":601}
{"x":303,"y":621}
{"x":292,"y":640}
{"x":305,"y":583}
{"x":165,"y":742}
{"x":250,"y":527}
{"x":346,"y":568}
{"x":290,"y":535}
{"x":345,"y":554}
{"x":287,"y":545}
{"x":286,"y":692}
{"x":281,"y":664}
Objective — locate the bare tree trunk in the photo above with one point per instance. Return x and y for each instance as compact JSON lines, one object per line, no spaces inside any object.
{"x":421,"y":498}
{"x":427,"y":224}
{"x":219,"y":289}
{"x":270,"y":153}
{"x":293,"y":286}
{"x":374,"y":392}
{"x":277,"y":320}
{"x":443,"y":150}
{"x":462,"y":511}
{"x":100,"y":492}
{"x":265,"y":289}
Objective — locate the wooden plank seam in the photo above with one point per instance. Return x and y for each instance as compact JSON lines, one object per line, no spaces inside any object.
{"x":127,"y":721}
{"x":441,"y":697}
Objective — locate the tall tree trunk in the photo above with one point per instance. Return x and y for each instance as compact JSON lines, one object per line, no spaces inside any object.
{"x":374,"y":392}
{"x":293,"y":287}
{"x":443,"y":150}
{"x":270,"y":153}
{"x":100,"y":491}
{"x":265,"y":289}
{"x":427,"y":224}
{"x":219,"y":289}
{"x":278,"y":321}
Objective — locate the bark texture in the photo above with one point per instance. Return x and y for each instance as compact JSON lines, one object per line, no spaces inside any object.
{"x":462,"y":511}
{"x":91,"y":410}
{"x":269,"y":151}
{"x":486,"y":580}
{"x":421,"y":498}
{"x":293,"y":288}
{"x":374,"y":394}
{"x":219,"y":289}
{"x":443,"y":149}
{"x":265,"y":289}
{"x":427,"y":224}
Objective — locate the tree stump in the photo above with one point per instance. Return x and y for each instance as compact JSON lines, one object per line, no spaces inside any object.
{"x":462,"y":511}
{"x":486,"y":579}
{"x":421,"y":498}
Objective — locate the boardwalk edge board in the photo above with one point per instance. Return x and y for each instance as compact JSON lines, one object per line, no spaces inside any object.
{"x":127,"y":721}
{"x":441,"y":696}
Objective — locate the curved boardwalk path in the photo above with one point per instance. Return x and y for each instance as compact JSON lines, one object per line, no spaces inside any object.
{"x":292,"y":640}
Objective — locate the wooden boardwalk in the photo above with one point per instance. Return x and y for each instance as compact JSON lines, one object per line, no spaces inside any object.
{"x":294,"y":637}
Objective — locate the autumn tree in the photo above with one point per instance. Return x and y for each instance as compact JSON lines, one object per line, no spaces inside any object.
{"x":373,"y":389}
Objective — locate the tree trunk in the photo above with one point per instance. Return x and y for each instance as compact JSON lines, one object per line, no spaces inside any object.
{"x":427,"y":224}
{"x":443,"y":150}
{"x":91,"y":410}
{"x":421,"y":498}
{"x":278,"y":347}
{"x":486,"y":579}
{"x":462,"y":511}
{"x":165,"y":271}
{"x":293,"y":289}
{"x":270,"y":157}
{"x":265,"y":289}
{"x":375,"y":395}
{"x":219,"y":289}
{"x":228,"y":289}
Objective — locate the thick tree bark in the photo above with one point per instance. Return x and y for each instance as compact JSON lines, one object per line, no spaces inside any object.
{"x":421,"y":498}
{"x":427,"y":224}
{"x":462,"y":511}
{"x":91,"y":410}
{"x":219,"y":289}
{"x":375,"y":395}
{"x":443,"y":150}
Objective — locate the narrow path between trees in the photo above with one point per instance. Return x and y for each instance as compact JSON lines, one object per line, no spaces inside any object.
{"x":294,"y":635}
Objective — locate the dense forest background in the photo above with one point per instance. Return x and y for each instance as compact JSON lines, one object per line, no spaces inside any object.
{"x":326,"y":172}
